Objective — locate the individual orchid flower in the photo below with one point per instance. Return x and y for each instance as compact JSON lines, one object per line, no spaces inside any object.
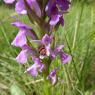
{"x":25,"y":30}
{"x":44,"y":45}
{"x":20,"y":39}
{"x":56,"y":51}
{"x":63,"y":5}
{"x":52,"y":77}
{"x":52,"y":12}
{"x":38,"y":66}
{"x":23,"y":56}
{"x":55,"y":10}
{"x":46,"y":42}
{"x":65,"y":58}
{"x":20,"y":7}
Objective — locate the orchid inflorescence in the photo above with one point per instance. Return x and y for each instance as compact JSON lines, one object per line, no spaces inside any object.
{"x":47,"y":15}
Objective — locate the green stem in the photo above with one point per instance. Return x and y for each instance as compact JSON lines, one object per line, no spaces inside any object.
{"x":47,"y":62}
{"x":3,"y":30}
{"x":67,"y":79}
{"x":77,"y":25}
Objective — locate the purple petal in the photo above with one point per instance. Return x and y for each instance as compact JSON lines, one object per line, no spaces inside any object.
{"x":53,"y":12}
{"x":22,"y":57}
{"x":65,"y":58}
{"x":63,"y":4}
{"x":20,"y":39}
{"x":36,"y":60}
{"x":53,"y":77}
{"x":29,"y":32}
{"x":36,"y":67}
{"x":24,"y":54}
{"x":30,"y":51}
{"x":41,"y":67}
{"x":48,"y":50}
{"x":46,"y":39}
{"x":55,"y":9}
{"x":34,"y":5}
{"x":51,"y":8}
{"x":21,"y":25}
{"x":20,"y":7}
{"x":31,"y":35}
{"x":54,"y":19}
{"x":39,"y":64}
{"x":33,"y":70}
{"x":56,"y":51}
{"x":9,"y":1}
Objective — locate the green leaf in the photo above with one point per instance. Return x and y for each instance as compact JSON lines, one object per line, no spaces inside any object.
{"x":16,"y":90}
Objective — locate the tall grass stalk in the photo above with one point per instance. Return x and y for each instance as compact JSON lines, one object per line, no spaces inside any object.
{"x":3,"y":30}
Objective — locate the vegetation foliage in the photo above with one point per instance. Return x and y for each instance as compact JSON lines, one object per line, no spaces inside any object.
{"x":75,"y":78}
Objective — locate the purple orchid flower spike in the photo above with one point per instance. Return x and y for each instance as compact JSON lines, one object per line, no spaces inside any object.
{"x":38,"y":66}
{"x":52,"y":77}
{"x":42,"y":51}
{"x":9,"y":1}
{"x":20,"y":7}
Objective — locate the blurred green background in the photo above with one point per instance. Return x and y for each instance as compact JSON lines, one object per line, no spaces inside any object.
{"x":78,"y":35}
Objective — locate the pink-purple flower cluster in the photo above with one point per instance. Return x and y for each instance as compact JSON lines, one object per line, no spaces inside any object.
{"x":49,"y":13}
